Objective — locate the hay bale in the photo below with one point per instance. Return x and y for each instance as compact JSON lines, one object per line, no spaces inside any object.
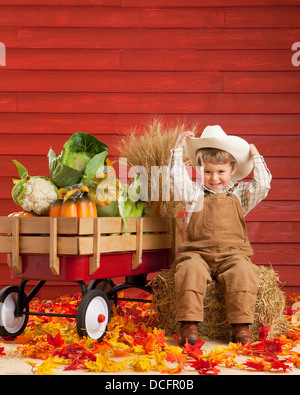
{"x":269,"y":306}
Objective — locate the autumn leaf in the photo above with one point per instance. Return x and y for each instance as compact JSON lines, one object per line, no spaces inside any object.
{"x":139,"y":349}
{"x":2,"y":351}
{"x":231,"y":362}
{"x":279,"y":364}
{"x":205,"y":366}
{"x":263,"y":332}
{"x":56,"y":341}
{"x":194,"y":351}
{"x":76,"y":363}
{"x":176,"y":357}
{"x":159,"y":357}
{"x":258,"y":364}
{"x":130,"y":327}
{"x":141,"y":363}
{"x":46,"y":368}
{"x":178,"y":369}
{"x":119,"y":349}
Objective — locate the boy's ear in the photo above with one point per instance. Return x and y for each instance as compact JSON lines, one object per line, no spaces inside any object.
{"x":233,"y":170}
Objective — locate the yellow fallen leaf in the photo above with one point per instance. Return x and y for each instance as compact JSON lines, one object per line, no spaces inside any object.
{"x":139,"y":349}
{"x":104,"y":363}
{"x":160,"y":357}
{"x":141,"y":363}
{"x":46,"y":368}
{"x":130,"y":327}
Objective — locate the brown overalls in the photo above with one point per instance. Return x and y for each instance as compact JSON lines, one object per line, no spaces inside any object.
{"x":218,"y":247}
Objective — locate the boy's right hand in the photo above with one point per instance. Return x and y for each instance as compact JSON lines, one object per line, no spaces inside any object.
{"x":182,"y":137}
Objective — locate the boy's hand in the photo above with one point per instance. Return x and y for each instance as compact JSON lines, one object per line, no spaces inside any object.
{"x":181,"y":138}
{"x":253,"y":150}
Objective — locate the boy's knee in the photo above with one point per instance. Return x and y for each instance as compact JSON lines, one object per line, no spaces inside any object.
{"x":243,"y":276}
{"x":191,"y":275}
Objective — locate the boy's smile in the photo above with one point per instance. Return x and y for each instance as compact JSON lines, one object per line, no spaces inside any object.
{"x":217,"y":176}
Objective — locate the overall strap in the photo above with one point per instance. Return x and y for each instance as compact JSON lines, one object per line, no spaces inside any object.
{"x":230,"y":191}
{"x":207,"y":192}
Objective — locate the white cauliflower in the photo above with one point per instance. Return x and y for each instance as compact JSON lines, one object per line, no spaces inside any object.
{"x":39,"y":194}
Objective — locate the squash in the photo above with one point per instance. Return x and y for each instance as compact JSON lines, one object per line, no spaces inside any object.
{"x":110,"y":168}
{"x":73,"y":207}
{"x":22,"y":214}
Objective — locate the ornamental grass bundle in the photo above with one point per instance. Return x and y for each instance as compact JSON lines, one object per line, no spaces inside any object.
{"x":152,"y":148}
{"x":269,"y":308}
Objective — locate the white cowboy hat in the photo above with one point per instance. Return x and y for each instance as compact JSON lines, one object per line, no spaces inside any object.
{"x":215,"y":137}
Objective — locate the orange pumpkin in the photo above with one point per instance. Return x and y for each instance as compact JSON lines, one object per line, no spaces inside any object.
{"x":78,"y":207}
{"x":21,"y":214}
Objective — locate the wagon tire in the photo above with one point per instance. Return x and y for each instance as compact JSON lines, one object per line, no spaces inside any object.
{"x":93,"y":315}
{"x":10,"y":324}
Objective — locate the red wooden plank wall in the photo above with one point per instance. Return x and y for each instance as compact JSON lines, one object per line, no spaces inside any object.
{"x":103,"y":66}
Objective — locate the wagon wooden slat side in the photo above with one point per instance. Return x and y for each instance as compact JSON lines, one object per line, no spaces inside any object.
{"x":84,"y":236}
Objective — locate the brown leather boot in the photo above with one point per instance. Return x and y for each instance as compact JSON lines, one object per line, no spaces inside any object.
{"x":241,"y":333}
{"x":189,"y":331}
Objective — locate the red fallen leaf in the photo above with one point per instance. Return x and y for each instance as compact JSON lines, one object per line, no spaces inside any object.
{"x":194,"y":351}
{"x":263,"y":332}
{"x":206,"y":366}
{"x":76,"y":351}
{"x":273,"y":348}
{"x":56,"y":341}
{"x":257,"y":364}
{"x":2,"y":351}
{"x":75,"y":364}
{"x":266,"y":348}
{"x":267,"y":365}
{"x":277,"y":365}
{"x":176,"y":357}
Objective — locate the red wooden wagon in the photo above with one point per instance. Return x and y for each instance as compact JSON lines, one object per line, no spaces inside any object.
{"x":93,"y":250}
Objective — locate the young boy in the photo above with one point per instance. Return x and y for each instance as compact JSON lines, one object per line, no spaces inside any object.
{"x":217,"y":245}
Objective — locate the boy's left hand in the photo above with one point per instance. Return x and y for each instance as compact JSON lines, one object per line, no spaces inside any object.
{"x":253,"y":150}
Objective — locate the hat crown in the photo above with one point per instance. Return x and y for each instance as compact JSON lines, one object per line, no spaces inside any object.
{"x":214,"y":131}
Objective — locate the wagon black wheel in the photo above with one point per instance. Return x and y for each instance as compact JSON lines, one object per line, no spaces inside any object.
{"x":93,"y":315}
{"x":10,"y":324}
{"x":103,"y":285}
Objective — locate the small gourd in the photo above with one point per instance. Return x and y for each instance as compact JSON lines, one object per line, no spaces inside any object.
{"x":73,"y":205}
{"x":22,"y":214}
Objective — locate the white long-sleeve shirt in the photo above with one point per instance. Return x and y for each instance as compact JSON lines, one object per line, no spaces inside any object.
{"x":249,"y":193}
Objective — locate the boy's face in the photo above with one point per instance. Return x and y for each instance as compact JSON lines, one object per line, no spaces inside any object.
{"x":217,"y":176}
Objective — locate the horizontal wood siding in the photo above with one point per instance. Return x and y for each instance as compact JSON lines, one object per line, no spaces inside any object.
{"x":106,"y":66}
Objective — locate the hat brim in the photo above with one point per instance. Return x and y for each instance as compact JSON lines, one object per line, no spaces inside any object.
{"x":236,"y":146}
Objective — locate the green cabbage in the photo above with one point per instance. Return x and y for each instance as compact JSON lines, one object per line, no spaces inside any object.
{"x":82,"y":155}
{"x":80,"y":149}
